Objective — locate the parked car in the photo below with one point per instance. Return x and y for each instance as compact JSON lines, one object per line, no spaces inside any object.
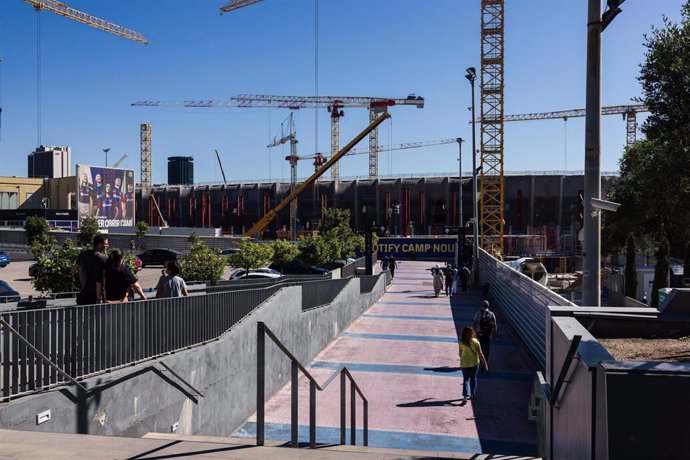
{"x":258,"y":273}
{"x":4,"y":259}
{"x":158,"y":256}
{"x":228,"y":252}
{"x":295,"y":267}
{"x":7,"y":294}
{"x":33,"y":269}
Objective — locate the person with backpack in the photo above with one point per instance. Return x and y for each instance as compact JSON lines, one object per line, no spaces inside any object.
{"x":485,"y":325}
{"x":464,"y":277}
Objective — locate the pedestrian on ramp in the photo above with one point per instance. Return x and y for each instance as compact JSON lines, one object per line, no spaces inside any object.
{"x":485,"y":325}
{"x":470,"y":357}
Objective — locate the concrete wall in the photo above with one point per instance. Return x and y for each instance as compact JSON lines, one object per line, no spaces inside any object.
{"x":146,"y":398}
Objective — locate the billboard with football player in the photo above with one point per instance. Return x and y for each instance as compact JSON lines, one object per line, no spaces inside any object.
{"x":106,"y":194}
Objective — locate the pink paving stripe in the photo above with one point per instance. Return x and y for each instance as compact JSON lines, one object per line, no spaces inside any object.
{"x":440,"y":311}
{"x":409,"y":327}
{"x":430,"y":354}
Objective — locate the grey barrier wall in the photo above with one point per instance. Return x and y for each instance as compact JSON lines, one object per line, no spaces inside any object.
{"x":611,"y":409}
{"x":147,"y":397}
{"x":522,"y":301}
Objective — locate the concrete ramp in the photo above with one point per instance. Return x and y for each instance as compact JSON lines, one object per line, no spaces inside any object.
{"x":403,"y":353}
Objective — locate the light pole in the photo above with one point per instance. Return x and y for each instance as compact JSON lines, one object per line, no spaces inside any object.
{"x":460,"y":140}
{"x":106,"y":156}
{"x":471,"y":76}
{"x":591,"y":251}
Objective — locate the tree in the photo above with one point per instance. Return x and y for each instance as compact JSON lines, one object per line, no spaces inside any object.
{"x":660,"y":271}
{"x":631,"y":268}
{"x":284,"y":252}
{"x":202,"y":263}
{"x":251,"y":255}
{"x":55,"y":263}
{"x":336,"y":232}
{"x":654,"y":186}
{"x":142,"y":229}
{"x":37,"y":230}
{"x":88,"y":228}
{"x":313,"y":251}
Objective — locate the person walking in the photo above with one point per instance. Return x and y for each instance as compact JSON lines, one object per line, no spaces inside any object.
{"x":171,"y":284}
{"x":470,"y":357}
{"x":117,"y":280}
{"x":384,"y":263}
{"x":448,"y":274}
{"x":485,"y":325}
{"x":464,"y":277}
{"x":392,"y":265}
{"x":89,"y":266}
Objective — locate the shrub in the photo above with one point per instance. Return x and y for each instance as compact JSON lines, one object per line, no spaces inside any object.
{"x":202,"y":264}
{"x":55,"y":268}
{"x":251,"y":255}
{"x":284,"y":252}
{"x":88,"y":228}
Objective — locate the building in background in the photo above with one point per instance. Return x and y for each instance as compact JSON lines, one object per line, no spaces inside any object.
{"x":180,"y":170}
{"x":48,"y":162}
{"x":20,"y":192}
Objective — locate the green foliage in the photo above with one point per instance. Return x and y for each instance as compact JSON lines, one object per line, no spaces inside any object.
{"x":284,"y":252}
{"x":37,"y":230}
{"x":55,"y":269}
{"x":88,"y":228}
{"x":313,"y":251}
{"x":660,"y":271}
{"x":336,"y":232}
{"x":631,"y":268}
{"x":654,"y":186}
{"x":202,"y":264}
{"x":142,"y":228}
{"x":251,"y":255}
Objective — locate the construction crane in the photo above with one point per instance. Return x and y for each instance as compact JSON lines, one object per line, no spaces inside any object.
{"x":122,"y":158}
{"x":491,"y":193}
{"x":270,"y":215}
{"x":291,"y":137}
{"x":235,"y":4}
{"x":63,"y":10}
{"x":629,"y":113}
{"x":221,"y":167}
{"x":334,"y":105}
{"x":319,"y":158}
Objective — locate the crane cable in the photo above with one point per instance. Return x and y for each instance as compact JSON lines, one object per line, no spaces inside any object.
{"x":38,"y":78}
{"x":316,"y":74}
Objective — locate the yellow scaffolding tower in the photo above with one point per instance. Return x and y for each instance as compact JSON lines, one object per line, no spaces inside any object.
{"x":491,"y":189}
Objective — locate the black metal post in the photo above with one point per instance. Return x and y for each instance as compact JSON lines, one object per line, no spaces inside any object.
{"x":353,"y":416}
{"x":260,"y":379}
{"x":294,"y":399}
{"x":312,"y":414}
{"x":460,"y":140}
{"x":365,"y":427}
{"x":342,"y":407}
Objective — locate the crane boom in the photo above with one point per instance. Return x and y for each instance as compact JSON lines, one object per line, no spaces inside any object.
{"x":221,"y":166}
{"x":235,"y":4}
{"x":63,"y":10}
{"x":270,"y":215}
{"x":609,"y":110}
{"x":122,"y":158}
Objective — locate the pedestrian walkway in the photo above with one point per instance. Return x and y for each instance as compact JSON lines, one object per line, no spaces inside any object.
{"x":403,"y":353}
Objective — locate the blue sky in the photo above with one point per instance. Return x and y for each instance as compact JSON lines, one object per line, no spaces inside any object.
{"x":380,"y":48}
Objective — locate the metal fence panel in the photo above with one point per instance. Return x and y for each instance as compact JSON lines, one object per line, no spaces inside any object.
{"x":522,"y":301}
{"x":318,"y":293}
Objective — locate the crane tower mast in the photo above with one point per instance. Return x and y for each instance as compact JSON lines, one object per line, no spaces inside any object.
{"x":491,"y":194}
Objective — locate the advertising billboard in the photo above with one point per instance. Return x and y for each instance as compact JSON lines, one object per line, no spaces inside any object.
{"x":106,"y":194}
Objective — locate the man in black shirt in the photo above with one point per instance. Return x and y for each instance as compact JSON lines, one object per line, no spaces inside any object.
{"x":89,"y":266}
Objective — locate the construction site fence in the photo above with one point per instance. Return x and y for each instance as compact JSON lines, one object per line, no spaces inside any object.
{"x":521,"y":301}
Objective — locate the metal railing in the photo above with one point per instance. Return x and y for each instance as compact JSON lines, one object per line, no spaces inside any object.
{"x":368,"y":282}
{"x":522,"y":301}
{"x":67,"y":343}
{"x":296,"y":366}
{"x":318,"y":293}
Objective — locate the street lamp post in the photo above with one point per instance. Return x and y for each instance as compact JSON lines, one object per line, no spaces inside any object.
{"x":106,"y":155}
{"x":471,"y":76}
{"x":591,"y":251}
{"x":460,"y":140}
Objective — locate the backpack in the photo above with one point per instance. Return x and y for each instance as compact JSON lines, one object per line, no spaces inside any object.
{"x":486,"y":322}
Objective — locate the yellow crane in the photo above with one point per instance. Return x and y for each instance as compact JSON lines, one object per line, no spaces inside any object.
{"x":63,"y":10}
{"x":235,"y":4}
{"x":270,"y":215}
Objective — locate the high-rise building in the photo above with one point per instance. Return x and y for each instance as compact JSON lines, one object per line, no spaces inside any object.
{"x":180,"y":170}
{"x":50,"y":162}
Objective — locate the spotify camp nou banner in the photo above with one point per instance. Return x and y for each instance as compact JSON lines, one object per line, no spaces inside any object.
{"x":106,"y":194}
{"x":440,"y":249}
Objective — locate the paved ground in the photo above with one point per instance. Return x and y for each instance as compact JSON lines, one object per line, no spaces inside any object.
{"x":35,"y":445}
{"x":403,"y":353}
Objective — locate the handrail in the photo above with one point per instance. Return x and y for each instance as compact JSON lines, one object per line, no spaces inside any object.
{"x":181,"y":379}
{"x":262,"y":331}
{"x":43,"y":357}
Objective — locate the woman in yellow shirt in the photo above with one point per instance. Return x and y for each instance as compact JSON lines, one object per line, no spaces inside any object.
{"x":470,"y":357}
